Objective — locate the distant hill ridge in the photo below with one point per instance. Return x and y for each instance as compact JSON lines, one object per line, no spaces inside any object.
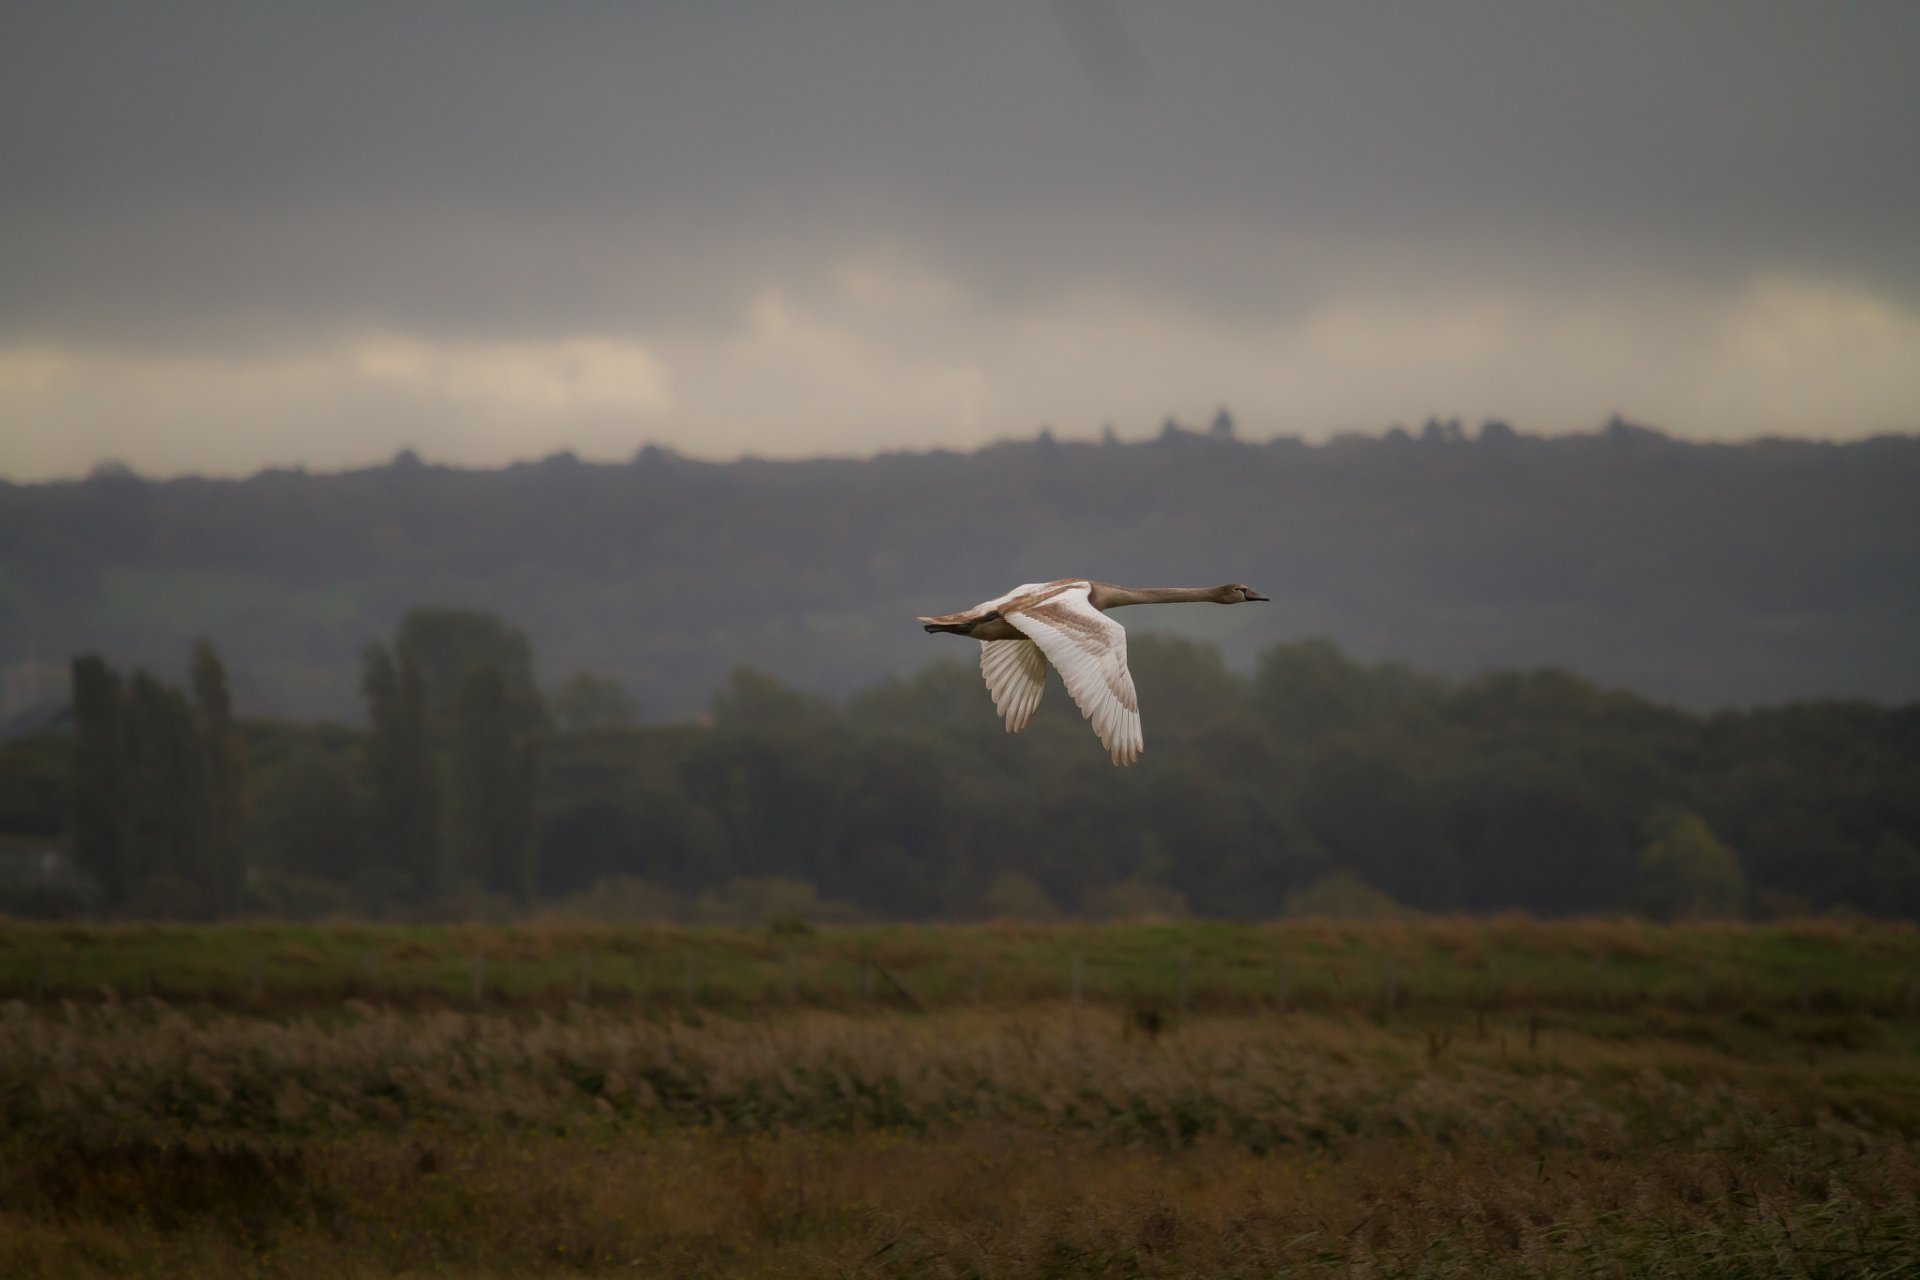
{"x":1709,"y":574}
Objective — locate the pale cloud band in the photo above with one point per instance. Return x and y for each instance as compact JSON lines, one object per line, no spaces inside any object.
{"x":881,"y":352}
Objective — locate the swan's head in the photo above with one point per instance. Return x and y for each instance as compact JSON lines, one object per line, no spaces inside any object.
{"x":1239,"y":593}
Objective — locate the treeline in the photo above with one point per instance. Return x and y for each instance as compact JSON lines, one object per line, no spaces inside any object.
{"x":1314,"y":783}
{"x":1709,"y":575}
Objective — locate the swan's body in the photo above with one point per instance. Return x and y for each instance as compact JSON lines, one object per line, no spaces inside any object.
{"x":1065,"y":622}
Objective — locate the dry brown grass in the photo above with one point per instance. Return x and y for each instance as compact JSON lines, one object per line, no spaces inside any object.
{"x":1743,"y":1134}
{"x":985,"y":1200}
{"x":148,"y":1069}
{"x":1046,"y":1141}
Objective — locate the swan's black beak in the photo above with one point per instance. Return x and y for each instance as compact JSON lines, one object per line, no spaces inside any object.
{"x":1255,"y":595}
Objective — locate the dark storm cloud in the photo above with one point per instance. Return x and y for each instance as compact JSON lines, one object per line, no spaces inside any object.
{"x":545,"y":165}
{"x":759,"y":199}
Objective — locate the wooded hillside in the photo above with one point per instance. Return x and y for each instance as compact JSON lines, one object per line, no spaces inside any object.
{"x":1709,"y":575}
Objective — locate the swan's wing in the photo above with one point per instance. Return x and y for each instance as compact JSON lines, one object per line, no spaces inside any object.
{"x":1024,"y":589}
{"x":988,"y":606}
{"x":1016,"y":673}
{"x":1089,"y":650}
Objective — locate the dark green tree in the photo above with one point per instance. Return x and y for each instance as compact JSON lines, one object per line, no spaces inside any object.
{"x":1535,"y":835}
{"x":755,"y":700}
{"x":494,"y":772}
{"x":1687,"y":872}
{"x":170,"y":803}
{"x":443,"y":645}
{"x":400,"y":775}
{"x":36,"y":785}
{"x":306,"y":818}
{"x":1888,"y":880}
{"x":102,"y":839}
{"x":1377,"y":817}
{"x":587,"y":701}
{"x":226,"y":759}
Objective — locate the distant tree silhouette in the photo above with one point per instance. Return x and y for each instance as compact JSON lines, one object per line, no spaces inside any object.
{"x":102,"y":837}
{"x":755,"y":700}
{"x":170,"y":799}
{"x":443,"y":645}
{"x":226,"y":777}
{"x":308,"y":824}
{"x":494,"y":772}
{"x":146,"y":821}
{"x":399,"y":772}
{"x":587,"y":701}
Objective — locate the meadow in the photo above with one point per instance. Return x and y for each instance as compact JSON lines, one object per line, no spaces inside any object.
{"x":1423,"y":1097}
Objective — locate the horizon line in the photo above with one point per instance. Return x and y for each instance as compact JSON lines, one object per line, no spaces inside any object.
{"x":1434,"y":432}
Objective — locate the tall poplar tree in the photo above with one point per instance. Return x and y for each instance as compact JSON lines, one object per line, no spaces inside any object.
{"x":400,"y":772}
{"x":493,"y":773}
{"x":169,"y":802}
{"x":226,"y":778}
{"x":102,"y":843}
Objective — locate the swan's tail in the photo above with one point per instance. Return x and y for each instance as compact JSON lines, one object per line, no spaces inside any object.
{"x":959,"y":624}
{"x":956,"y":628}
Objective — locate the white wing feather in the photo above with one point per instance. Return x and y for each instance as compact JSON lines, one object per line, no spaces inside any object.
{"x":1089,"y":650}
{"x":1016,"y":675}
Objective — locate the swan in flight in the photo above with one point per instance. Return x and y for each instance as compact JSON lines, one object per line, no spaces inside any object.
{"x":1065,"y":621}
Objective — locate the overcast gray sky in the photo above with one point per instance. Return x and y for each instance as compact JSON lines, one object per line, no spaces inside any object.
{"x":250,"y":234}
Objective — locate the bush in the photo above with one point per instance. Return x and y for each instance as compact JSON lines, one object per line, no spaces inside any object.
{"x":1340,"y":895}
{"x":1687,"y":872}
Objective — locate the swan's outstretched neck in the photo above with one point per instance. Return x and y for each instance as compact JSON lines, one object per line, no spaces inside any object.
{"x":1107,"y":596}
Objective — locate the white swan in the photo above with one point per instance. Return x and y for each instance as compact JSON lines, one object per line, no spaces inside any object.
{"x":1065,"y":622}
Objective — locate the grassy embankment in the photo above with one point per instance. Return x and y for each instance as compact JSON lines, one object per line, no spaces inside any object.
{"x":1537,"y":1099}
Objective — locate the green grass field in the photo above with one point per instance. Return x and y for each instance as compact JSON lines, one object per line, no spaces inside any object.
{"x":1420,"y":1098}
{"x":1431,"y":968}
